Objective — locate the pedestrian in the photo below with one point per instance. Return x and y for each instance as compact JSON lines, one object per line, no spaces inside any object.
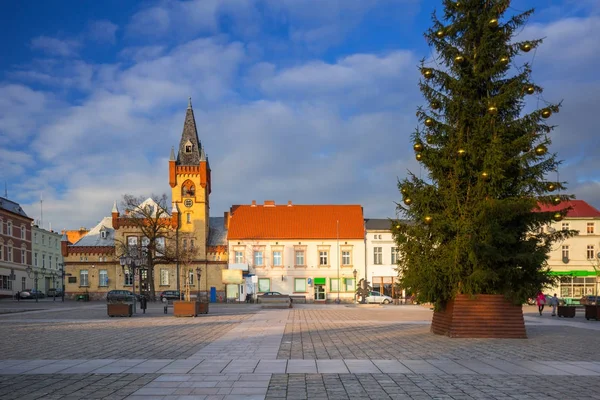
{"x":18,"y":296}
{"x":541,"y":301}
{"x":554,"y":304}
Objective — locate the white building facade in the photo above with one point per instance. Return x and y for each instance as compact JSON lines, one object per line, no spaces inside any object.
{"x":576,"y":260}
{"x":382,"y":257}
{"x":47,"y":259}
{"x":311,"y":251}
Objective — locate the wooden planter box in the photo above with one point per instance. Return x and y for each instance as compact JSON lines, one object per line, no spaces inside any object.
{"x":592,"y":312}
{"x":566,"y":311}
{"x":189,"y":308}
{"x":119,"y":310}
{"x":480,"y":316}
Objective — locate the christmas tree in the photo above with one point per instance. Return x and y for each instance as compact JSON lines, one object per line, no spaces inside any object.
{"x":475,"y":225}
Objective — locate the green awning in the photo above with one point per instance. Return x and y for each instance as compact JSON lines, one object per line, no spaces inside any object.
{"x":572,"y":273}
{"x":319,"y":281}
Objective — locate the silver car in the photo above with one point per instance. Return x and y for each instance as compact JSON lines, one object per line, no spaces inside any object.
{"x":378,"y":298}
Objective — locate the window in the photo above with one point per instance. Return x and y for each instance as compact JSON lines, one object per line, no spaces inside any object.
{"x":346,"y":257}
{"x":43,"y":261}
{"x":128,"y":281}
{"x":5,"y":282}
{"x":9,"y":253}
{"x":350,"y":285}
{"x":184,"y":244}
{"x":23,"y":283}
{"x":300,"y":257}
{"x":103,"y":277}
{"x":164,"y":277}
{"x":565,"y":252}
{"x":35,"y":239}
{"x":258,"y":258}
{"x":83,"y":277}
{"x":56,"y":243}
{"x":43,"y":240}
{"x":394,"y":255}
{"x":264,"y":285}
{"x":22,"y":231}
{"x":277,"y":259}
{"x":323,"y":258}
{"x":377,"y":255}
{"x":590,"y":228}
{"x":132,"y":242}
{"x":188,"y":218}
{"x":299,"y":285}
{"x":334,"y":284}
{"x":9,"y":228}
{"x":565,"y":226}
{"x":50,"y":262}
{"x":239,"y":257}
{"x":191,"y":275}
{"x":590,"y":252}
{"x":35,"y":260}
{"x":160,"y":246}
{"x":104,"y":234}
{"x":23,"y":260}
{"x":192,"y":244}
{"x":1,"y":251}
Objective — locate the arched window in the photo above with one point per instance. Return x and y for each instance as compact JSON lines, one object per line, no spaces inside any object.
{"x":188,"y":189}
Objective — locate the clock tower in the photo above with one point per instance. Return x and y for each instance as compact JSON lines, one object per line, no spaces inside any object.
{"x":189,"y":178}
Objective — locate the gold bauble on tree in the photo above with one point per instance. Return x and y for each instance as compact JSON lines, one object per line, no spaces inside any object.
{"x":440,"y":34}
{"x":428,"y":122}
{"x":556,"y":201}
{"x":493,"y":23}
{"x":428,"y":220}
{"x":541,"y":150}
{"x":461,"y":153}
{"x":504,"y":60}
{"x":429,"y":137}
{"x":404,"y":190}
{"x":492,"y":110}
{"x":435,"y":105}
{"x":459,"y":59}
{"x":551,"y":187}
{"x":557,"y":217}
{"x":427,"y":73}
{"x":526,"y":47}
{"x":419,"y":156}
{"x":418,"y":147}
{"x":546,"y":113}
{"x":408,"y":201}
{"x":485,"y":176}
{"x":530,"y":89}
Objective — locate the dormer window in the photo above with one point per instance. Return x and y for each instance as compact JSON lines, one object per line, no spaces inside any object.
{"x":189,"y":147}
{"x":103,"y":234}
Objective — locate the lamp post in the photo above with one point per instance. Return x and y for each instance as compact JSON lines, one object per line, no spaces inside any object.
{"x":198,"y":275}
{"x":53,"y":275}
{"x":132,"y":264}
{"x":62,"y":280}
{"x":31,"y":273}
{"x":354,"y":273}
{"x":337,"y":229}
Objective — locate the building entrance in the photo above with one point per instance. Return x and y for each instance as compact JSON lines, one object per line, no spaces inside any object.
{"x":319,"y":292}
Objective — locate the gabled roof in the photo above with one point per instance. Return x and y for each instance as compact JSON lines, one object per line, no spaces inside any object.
{"x":74,"y":235}
{"x":11,"y":206}
{"x":149,"y":202}
{"x":580,"y":209}
{"x":296,"y":222}
{"x":94,"y":236}
{"x":189,"y":134}
{"x":217,"y":234}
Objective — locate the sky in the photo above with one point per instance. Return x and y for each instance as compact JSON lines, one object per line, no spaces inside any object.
{"x":311,"y":101}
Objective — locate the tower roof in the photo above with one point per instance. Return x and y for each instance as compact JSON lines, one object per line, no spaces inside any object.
{"x":189,"y":146}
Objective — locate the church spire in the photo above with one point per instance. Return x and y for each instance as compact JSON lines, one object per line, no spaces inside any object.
{"x":189,"y":146}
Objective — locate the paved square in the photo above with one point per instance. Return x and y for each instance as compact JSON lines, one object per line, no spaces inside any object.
{"x":74,"y":351}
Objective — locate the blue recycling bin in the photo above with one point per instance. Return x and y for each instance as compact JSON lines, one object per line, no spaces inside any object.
{"x":213,"y":294}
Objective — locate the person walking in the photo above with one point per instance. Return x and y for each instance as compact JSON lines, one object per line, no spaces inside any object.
{"x":554,"y":304}
{"x":541,"y":302}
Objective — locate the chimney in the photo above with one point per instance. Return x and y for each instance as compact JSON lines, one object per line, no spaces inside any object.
{"x":226,"y":220}
{"x":269,"y":203}
{"x":253,"y":203}
{"x":64,"y":244}
{"x":289,"y":203}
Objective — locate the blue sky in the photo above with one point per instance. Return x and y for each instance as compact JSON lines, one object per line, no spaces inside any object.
{"x":306,"y":100}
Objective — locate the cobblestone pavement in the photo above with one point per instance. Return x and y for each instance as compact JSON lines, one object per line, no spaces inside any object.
{"x":74,"y":351}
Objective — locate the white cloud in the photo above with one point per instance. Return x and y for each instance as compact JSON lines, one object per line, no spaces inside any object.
{"x":103,"y":31}
{"x":56,"y":47}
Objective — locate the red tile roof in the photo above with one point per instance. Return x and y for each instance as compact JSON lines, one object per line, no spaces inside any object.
{"x":296,"y":222}
{"x":580,"y":209}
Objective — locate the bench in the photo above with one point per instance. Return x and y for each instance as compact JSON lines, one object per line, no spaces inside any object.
{"x":282,"y":301}
{"x":298,"y":299}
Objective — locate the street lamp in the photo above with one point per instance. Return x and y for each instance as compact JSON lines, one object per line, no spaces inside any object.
{"x":198,"y":275}
{"x":132,"y":264}
{"x":31,"y":273}
{"x":53,"y":275}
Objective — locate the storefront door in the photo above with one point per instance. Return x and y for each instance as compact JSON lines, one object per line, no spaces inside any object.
{"x":319,"y":292}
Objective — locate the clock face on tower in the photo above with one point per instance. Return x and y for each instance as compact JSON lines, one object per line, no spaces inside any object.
{"x":188,"y":203}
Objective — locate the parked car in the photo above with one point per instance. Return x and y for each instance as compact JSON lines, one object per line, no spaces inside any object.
{"x":378,"y":298}
{"x":589,"y":300}
{"x":121,"y":295}
{"x":171,"y":295}
{"x":54,"y":292}
{"x":268,"y":294}
{"x":31,"y":294}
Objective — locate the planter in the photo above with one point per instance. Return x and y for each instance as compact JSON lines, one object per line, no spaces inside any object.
{"x":480,"y":316}
{"x":592,"y":312}
{"x":203,"y":308}
{"x":187,"y":308}
{"x":119,"y":310}
{"x":566,"y":311}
